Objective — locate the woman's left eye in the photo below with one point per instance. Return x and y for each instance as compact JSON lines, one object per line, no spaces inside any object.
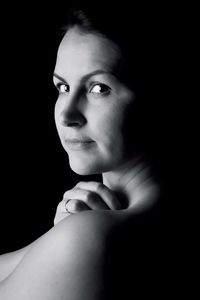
{"x":99,"y":89}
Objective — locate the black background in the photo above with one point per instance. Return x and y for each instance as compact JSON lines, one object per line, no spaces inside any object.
{"x":34,"y":166}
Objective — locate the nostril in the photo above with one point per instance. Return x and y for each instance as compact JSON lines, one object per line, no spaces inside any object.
{"x":72,"y":120}
{"x":71,"y":115}
{"x":68,"y":123}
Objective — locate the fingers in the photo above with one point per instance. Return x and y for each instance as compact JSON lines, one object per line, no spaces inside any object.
{"x":91,"y":199}
{"x":74,"y":206}
{"x":86,"y":196}
{"x":89,"y":195}
{"x":61,"y":212}
{"x":100,"y":189}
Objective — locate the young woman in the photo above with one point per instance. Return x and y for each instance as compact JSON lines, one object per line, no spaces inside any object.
{"x":104,"y":242}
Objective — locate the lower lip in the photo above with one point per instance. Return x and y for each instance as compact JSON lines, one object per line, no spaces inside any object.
{"x":79,"y":145}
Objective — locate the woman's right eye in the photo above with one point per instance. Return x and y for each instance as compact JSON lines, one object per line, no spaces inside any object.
{"x":62,"y":88}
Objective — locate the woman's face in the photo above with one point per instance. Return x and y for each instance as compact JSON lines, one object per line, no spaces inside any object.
{"x":91,"y":111}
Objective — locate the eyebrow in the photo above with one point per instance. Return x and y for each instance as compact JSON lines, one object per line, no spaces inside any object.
{"x":87,"y":76}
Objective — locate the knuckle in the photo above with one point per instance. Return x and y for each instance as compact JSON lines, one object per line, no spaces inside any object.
{"x":65,"y":194}
{"x":79,"y":184}
{"x":68,"y":193}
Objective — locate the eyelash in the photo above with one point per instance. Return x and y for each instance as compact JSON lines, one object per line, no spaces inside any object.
{"x":104,"y":86}
{"x":59,"y":85}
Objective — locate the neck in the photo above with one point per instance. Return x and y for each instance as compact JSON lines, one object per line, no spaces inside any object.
{"x":134,"y":183}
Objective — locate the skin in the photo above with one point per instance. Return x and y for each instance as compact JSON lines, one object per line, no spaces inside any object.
{"x":92,"y":109}
{"x":96,"y":108}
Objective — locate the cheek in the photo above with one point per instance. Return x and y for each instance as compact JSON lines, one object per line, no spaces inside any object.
{"x":109,"y":125}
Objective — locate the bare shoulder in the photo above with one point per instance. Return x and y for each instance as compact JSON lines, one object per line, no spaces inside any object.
{"x":89,"y":226}
{"x":102,"y":219}
{"x":86,"y":256}
{"x":69,"y":261}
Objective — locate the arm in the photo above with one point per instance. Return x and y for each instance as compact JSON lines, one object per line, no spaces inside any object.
{"x":66,"y":263}
{"x":91,"y":195}
{"x":9,"y":261}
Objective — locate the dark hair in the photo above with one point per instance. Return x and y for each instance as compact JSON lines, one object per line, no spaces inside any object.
{"x":134,"y":35}
{"x":138,"y":35}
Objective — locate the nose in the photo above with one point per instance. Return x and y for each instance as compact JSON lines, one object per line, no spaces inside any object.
{"x":71,"y":112}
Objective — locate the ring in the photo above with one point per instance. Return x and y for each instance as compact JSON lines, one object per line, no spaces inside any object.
{"x":66,"y":206}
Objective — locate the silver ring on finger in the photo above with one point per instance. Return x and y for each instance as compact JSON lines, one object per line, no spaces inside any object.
{"x":65,"y":205}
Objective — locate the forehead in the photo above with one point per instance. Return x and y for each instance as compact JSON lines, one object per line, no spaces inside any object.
{"x":85,"y":52}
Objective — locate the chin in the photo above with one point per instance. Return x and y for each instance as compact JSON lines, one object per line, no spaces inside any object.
{"x":85,"y":164}
{"x":88,"y":167}
{"x":83,"y":168}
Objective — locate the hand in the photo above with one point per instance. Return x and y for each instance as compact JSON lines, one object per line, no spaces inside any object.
{"x":86,"y":196}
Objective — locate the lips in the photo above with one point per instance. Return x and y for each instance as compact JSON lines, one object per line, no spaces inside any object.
{"x":78,"y":144}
